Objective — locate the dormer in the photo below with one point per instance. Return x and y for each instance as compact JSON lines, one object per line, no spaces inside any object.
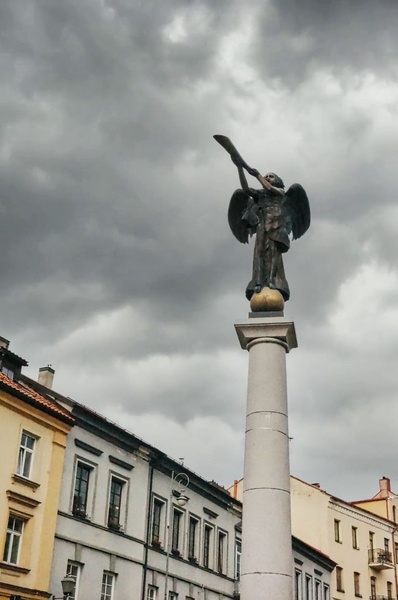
{"x":10,"y":363}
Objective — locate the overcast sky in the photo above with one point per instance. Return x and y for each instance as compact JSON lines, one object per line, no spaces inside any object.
{"x":117,"y":264}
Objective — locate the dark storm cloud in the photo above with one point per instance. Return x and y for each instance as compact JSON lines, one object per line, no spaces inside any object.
{"x":117,"y":263}
{"x":94,"y":120}
{"x":295,"y":38}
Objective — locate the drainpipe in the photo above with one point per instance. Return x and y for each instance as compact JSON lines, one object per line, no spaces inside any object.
{"x":148,"y":528}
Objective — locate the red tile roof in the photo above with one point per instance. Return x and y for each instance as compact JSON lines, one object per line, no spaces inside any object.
{"x":28,"y":394}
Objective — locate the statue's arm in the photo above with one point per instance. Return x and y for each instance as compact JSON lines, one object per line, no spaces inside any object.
{"x":242,"y":178}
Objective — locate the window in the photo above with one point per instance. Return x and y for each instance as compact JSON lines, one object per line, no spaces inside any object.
{"x":326,"y":592}
{"x":173,"y":596}
{"x":152,"y":593}
{"x":337,"y":532}
{"x":25,"y":457}
{"x":387,"y":545}
{"x":156,"y":521}
{"x":389,"y":590}
{"x":318,"y":590}
{"x":207,"y":543}
{"x":308,"y":587}
{"x":355,"y":538}
{"x":108,"y":580}
{"x":221,"y":552}
{"x":371,"y":540}
{"x":7,"y":372}
{"x":80,"y":494}
{"x":115,"y":503}
{"x":73,"y":570}
{"x":373,"y":588}
{"x":192,"y":538}
{"x":13,"y":540}
{"x":298,"y":591}
{"x":394,"y":514}
{"x":357,"y":587}
{"x":238,"y":554}
{"x":339,"y":579}
{"x":176,"y":532}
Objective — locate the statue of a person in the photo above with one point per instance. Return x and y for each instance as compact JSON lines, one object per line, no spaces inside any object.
{"x":272,"y":214}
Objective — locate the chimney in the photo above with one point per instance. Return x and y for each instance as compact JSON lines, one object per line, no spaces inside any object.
{"x":46,"y":376}
{"x":385,"y":487}
{"x":4,"y":343}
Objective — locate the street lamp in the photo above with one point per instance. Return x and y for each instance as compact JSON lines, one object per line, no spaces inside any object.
{"x":68,"y":587}
{"x":181,"y":499}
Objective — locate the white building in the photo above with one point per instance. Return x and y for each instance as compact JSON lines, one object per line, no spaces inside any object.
{"x":122,"y":534}
{"x":118,"y":497}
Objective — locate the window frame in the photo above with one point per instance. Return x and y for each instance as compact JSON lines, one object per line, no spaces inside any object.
{"x":81,"y":508}
{"x":238,"y":558}
{"x":373,"y":590}
{"x":317,"y":589}
{"x":105,"y":592}
{"x":157,"y":539}
{"x":357,"y":584}
{"x":25,"y":451}
{"x":117,"y":520}
{"x":70,"y":565}
{"x":308,"y":587}
{"x":354,"y":534}
{"x":193,"y":537}
{"x":151,"y":592}
{"x":208,"y":546}
{"x":298,"y":584}
{"x":177,"y":516}
{"x":222,"y":551}
{"x":339,"y":579}
{"x":13,"y":537}
{"x":326,"y":592}
{"x":337,"y":531}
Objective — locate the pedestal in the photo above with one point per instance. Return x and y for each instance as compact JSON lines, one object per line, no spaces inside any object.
{"x":267,"y":562}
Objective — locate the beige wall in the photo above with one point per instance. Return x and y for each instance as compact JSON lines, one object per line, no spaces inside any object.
{"x":34,"y":500}
{"x":314,"y":513}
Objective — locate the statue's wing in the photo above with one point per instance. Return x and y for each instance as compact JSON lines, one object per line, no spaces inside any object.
{"x":298,"y":209}
{"x":237,"y":207}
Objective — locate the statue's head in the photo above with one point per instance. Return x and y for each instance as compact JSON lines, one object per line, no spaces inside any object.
{"x":274,"y":180}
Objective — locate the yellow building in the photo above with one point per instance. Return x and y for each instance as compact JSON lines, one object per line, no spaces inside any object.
{"x":384,"y":503}
{"x":33,"y":432}
{"x":361,"y":537}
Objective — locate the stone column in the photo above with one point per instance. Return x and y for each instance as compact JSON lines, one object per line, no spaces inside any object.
{"x":267,"y":562}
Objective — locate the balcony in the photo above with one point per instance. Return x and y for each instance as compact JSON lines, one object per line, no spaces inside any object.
{"x":380,"y":559}
{"x":377,"y":597}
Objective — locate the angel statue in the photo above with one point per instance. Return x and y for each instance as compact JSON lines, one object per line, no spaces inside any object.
{"x":272,"y":214}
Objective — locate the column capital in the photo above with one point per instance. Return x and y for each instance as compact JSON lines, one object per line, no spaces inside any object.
{"x":279,"y":328}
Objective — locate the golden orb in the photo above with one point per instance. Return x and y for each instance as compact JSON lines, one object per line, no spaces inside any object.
{"x":267,"y":300}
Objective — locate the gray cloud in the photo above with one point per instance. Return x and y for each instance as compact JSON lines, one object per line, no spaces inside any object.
{"x":118,"y":266}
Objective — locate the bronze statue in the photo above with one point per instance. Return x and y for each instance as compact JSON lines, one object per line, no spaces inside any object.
{"x":272,"y":214}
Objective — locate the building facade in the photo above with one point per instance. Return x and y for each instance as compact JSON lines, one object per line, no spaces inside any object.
{"x":122,"y":530}
{"x":33,"y":433}
{"x":362,"y":543}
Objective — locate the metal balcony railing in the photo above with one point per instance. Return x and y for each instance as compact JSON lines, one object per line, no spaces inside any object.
{"x":380,"y":559}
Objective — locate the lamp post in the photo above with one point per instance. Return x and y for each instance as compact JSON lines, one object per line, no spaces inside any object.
{"x":181,"y":499}
{"x":68,"y":587}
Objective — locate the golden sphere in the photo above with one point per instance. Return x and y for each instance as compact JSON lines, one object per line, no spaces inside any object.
{"x":267,"y":300}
